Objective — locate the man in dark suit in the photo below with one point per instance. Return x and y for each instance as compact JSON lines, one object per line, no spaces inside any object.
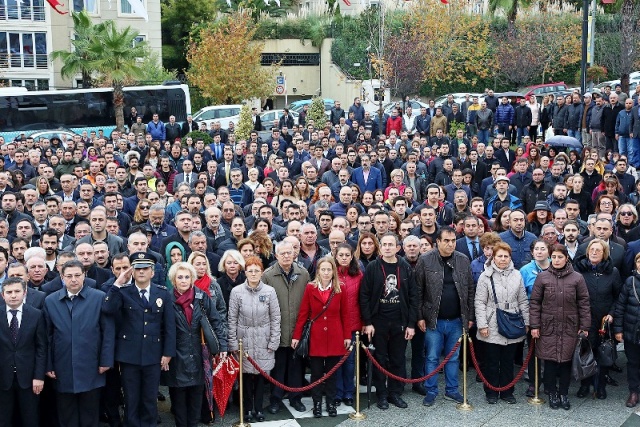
{"x":187,"y":175}
{"x":469,"y":245}
{"x":479,"y":168}
{"x":257,"y":121}
{"x":23,"y":356}
{"x":505,"y":155}
{"x":86,"y":255}
{"x":146,"y":339}
{"x":82,"y":347}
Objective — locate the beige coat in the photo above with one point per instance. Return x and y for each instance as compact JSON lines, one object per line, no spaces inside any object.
{"x":254,"y":318}
{"x":512,"y":297}
{"x":289,"y":296}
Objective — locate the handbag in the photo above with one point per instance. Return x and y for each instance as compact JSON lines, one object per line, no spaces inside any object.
{"x":607,"y":352}
{"x":208,"y":334}
{"x":302,"y":349}
{"x":584,"y":363}
{"x":510,"y":325}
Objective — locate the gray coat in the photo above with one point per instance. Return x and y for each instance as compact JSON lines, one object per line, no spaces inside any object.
{"x":254,"y":318}
{"x":511,"y":296}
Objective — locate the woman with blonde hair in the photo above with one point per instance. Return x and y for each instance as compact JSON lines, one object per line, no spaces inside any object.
{"x":231,"y":268}
{"x":206,"y":282}
{"x":141,"y":214}
{"x":303,"y":190}
{"x":330,"y":337}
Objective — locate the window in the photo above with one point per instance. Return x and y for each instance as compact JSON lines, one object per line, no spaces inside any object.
{"x":23,"y":50}
{"x":141,"y":38}
{"x":30,"y":84}
{"x":91,"y":6}
{"x":289,"y":59}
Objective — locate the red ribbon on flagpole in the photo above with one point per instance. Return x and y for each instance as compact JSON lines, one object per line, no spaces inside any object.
{"x":54,"y":4}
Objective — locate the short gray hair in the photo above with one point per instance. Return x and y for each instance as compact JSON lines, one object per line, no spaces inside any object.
{"x":411,"y":238}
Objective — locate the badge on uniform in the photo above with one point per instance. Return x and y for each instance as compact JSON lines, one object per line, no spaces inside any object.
{"x":159,"y":302}
{"x":262,"y":298}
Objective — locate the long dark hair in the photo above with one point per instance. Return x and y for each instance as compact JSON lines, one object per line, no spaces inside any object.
{"x":354,"y":266}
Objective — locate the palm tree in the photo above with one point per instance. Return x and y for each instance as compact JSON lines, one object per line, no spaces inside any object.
{"x":76,"y":61}
{"x":115,"y":55}
{"x":510,"y":8}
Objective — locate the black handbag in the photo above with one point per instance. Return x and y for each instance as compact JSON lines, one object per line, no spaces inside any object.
{"x":607,"y":351}
{"x":302,"y":349}
{"x":510,"y":325}
{"x":209,"y":337}
{"x":584,"y":363}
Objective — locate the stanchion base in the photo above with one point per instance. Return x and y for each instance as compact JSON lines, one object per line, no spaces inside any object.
{"x":466,"y":406}
{"x":536,"y":401}
{"x":239,"y":424}
{"x":358,"y":416}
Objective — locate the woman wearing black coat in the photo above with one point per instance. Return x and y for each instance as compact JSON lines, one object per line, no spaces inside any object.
{"x":604,"y":283}
{"x":185,"y":377}
{"x":626,"y":327}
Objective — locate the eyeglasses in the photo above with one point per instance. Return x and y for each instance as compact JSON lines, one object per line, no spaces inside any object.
{"x":626,"y":213}
{"x":253,"y":271}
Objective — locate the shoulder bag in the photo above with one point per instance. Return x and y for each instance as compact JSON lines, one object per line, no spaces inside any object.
{"x":510,"y":325}
{"x":584,"y":365}
{"x":302,"y":349}
{"x":209,"y":337}
{"x":607,"y":352}
{"x":636,"y":338}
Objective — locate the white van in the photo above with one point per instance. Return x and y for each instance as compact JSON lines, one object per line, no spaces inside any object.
{"x":218,"y":113}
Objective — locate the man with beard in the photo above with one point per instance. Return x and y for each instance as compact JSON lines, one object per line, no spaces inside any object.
{"x":9,"y":203}
{"x":49,"y":242}
{"x":570,"y":237}
{"x":535,"y":191}
{"x":559,"y":197}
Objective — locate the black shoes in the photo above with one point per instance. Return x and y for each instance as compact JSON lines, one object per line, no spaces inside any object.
{"x":601,"y":393}
{"x":248,"y":417}
{"x":583,"y":391}
{"x":554,"y":400}
{"x":509,"y":399}
{"x":337,"y":402}
{"x":419,"y":388}
{"x":298,"y":405}
{"x":383,"y":403}
{"x":397,"y":401}
{"x":564,"y":402}
{"x":274,"y":408}
{"x":616,"y":368}
{"x":492,"y":400}
{"x":331,"y":410}
{"x":348,"y":401}
{"x":531,"y":391}
{"x":317,"y":409}
{"x":611,"y":381}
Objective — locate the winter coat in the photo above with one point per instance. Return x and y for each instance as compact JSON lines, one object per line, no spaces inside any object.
{"x":521,"y":246}
{"x":289,"y":293}
{"x":626,"y":317}
{"x":604,"y":284}
{"x":523,"y":116}
{"x":623,"y":123}
{"x":484,"y":119}
{"x":438,"y":122}
{"x":505,"y":115}
{"x":560,"y":113}
{"x":509,"y":290}
{"x":429,"y":280}
{"x":574,"y":116}
{"x":559,"y":308}
{"x":609,"y":118}
{"x":328,"y":331}
{"x":254,"y":318}
{"x":185,"y":370}
{"x":351,"y":289}
{"x":394,"y":123}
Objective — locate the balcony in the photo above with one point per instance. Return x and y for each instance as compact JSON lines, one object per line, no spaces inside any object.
{"x":16,"y":61}
{"x":21,"y":12}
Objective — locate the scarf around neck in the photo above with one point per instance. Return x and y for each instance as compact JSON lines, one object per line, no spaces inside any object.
{"x":204,"y":284}
{"x":186,"y":302}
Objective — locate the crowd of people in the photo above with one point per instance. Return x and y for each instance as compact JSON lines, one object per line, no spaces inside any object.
{"x":121,"y":254}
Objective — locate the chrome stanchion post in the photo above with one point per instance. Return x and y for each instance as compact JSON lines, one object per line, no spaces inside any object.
{"x":536,"y":400}
{"x":465,"y":405}
{"x":358,"y":416}
{"x":240,"y":360}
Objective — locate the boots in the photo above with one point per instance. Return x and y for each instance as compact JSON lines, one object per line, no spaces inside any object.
{"x":331,"y":408}
{"x":317,"y":409}
{"x":554,"y":400}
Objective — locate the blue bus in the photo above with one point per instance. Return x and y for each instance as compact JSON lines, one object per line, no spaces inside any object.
{"x":79,"y":110}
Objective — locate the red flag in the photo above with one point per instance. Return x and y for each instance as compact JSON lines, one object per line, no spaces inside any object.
{"x":54,"y":4}
{"x":444,"y":1}
{"x":347,"y":2}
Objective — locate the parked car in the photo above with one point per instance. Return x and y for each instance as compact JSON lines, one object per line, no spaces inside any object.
{"x":328,"y":105}
{"x":458,"y":98}
{"x":61,"y":133}
{"x":267,"y":118}
{"x":543,"y":89}
{"x":218,"y":113}
{"x":415,"y":106}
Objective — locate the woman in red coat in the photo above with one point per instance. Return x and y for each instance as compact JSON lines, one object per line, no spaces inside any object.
{"x":326,"y":344}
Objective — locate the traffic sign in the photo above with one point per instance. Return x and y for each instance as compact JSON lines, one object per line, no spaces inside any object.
{"x":279,"y":89}
{"x":280,"y":80}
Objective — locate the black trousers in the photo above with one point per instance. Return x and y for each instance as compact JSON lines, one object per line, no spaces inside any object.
{"x":253,"y":392}
{"x":288,"y":371}
{"x":79,"y":409}
{"x":186,"y":403}
{"x":48,"y":407}
{"x":140,"y":385}
{"x":632,"y":351}
{"x":418,"y":354}
{"x":599,"y":379}
{"x":390,"y":345}
{"x":553,"y":371}
{"x":25,"y":403}
{"x":320,"y":366}
{"x":111,"y":398}
{"x":499,"y":372}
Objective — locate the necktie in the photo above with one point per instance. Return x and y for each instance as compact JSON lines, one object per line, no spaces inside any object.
{"x":187,"y":177}
{"x":145,"y":301}
{"x":217,"y":151}
{"x":41,"y":229}
{"x":475,"y":249}
{"x":227,"y":171}
{"x":13,"y":327}
{"x":473,"y":167}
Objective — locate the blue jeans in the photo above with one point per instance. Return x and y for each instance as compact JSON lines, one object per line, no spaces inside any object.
{"x":483,"y":136}
{"x":345,"y":385}
{"x":440,"y":341}
{"x":521,"y":132}
{"x":624,"y":146}
{"x":503,"y":128}
{"x":577,"y":134}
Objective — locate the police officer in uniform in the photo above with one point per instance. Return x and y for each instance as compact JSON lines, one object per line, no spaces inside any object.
{"x":146,"y":339}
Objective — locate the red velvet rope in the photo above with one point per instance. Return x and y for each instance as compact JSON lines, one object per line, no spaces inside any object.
{"x":512,"y":383}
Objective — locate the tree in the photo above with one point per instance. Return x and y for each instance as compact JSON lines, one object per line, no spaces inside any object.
{"x":316,"y":111}
{"x":456,"y":44}
{"x":628,"y":41}
{"x":76,"y":61}
{"x":245,"y":123}
{"x":404,"y":53}
{"x":510,"y":8}
{"x":559,"y":42}
{"x":224,"y":62}
{"x":519,"y":63}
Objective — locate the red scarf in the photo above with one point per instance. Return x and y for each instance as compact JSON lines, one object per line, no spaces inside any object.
{"x":204,"y":283}
{"x":186,"y":302}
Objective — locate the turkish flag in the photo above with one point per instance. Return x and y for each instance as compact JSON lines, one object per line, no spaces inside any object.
{"x":54,"y":4}
{"x":444,"y":1}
